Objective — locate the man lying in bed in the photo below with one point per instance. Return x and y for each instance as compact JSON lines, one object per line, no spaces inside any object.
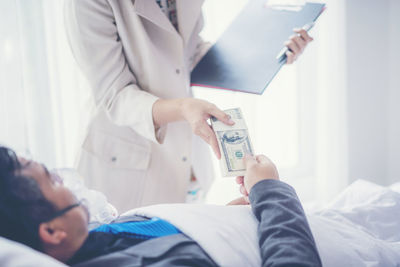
{"x":38,"y":211}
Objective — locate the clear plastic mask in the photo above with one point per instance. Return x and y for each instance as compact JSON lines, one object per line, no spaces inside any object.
{"x":101,"y":212}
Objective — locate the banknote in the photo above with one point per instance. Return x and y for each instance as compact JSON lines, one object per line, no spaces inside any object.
{"x":234,"y":143}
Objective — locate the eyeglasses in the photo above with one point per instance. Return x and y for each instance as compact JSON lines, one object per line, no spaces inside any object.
{"x":65,"y":210}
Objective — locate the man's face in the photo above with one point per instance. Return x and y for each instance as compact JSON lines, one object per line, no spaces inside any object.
{"x":74,"y":221}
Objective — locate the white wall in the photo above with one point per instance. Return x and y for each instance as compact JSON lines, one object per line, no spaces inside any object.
{"x":393,"y":168}
{"x":331,"y":133}
{"x":372,"y":40}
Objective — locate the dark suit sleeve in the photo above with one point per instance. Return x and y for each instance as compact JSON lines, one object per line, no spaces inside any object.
{"x":285,"y":237}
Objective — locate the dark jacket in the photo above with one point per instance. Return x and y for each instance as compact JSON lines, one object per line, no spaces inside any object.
{"x":285,"y":238}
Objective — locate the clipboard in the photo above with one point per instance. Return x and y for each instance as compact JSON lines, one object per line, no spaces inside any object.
{"x":244,"y":58}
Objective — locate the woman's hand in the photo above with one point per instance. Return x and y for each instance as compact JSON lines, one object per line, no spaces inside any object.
{"x":296,"y":44}
{"x":195,"y":112}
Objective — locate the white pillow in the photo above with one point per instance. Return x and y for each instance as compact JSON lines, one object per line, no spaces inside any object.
{"x":14,"y":254}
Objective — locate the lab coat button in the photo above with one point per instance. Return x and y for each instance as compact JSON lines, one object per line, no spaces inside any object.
{"x":177,"y":71}
{"x":114,"y":159}
{"x":184,"y":159}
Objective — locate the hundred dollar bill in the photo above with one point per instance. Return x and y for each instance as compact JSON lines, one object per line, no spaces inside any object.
{"x":234,"y":143}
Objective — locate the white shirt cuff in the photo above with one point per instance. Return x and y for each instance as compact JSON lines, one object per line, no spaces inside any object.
{"x":133,"y":107}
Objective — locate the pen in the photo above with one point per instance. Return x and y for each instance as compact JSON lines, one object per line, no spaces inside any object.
{"x":282,"y":54}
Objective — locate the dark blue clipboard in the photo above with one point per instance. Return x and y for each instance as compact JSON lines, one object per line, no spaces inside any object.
{"x":244,"y":57}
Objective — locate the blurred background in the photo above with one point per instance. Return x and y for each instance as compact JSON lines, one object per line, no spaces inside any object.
{"x":331,"y":118}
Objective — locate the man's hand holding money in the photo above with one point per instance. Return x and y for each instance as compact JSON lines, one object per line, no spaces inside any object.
{"x":258,"y":168}
{"x":237,"y":155}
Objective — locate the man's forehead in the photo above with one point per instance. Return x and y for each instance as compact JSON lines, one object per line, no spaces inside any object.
{"x":32,"y":168}
{"x":38,"y":172}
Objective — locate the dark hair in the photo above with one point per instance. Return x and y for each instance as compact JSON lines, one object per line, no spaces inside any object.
{"x":22,"y":203}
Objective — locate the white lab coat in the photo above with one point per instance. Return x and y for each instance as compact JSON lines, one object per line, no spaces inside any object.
{"x":132,"y":55}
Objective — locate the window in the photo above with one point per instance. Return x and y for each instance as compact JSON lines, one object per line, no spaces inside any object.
{"x":42,"y":92}
{"x":277,"y":120}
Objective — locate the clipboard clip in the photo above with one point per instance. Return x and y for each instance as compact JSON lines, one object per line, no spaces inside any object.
{"x":287,"y":5}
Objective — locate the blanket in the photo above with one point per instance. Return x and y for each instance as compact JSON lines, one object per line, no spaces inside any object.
{"x":361,"y":227}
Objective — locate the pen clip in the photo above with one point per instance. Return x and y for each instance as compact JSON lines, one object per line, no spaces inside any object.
{"x":282,"y":54}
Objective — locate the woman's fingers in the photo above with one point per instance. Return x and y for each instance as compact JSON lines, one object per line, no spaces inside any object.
{"x":214,"y":144}
{"x":304,"y":34}
{"x":296,"y":44}
{"x":294,"y":50}
{"x":197,"y":112}
{"x":220,"y":115}
{"x":292,"y":46}
{"x":290,"y":57}
{"x":208,"y":135}
{"x":300,"y":43}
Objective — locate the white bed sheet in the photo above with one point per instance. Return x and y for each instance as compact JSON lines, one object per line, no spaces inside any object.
{"x":361,"y":227}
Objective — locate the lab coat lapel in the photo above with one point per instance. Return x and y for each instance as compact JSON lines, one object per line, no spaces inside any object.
{"x":188,"y":14}
{"x":149,"y":10}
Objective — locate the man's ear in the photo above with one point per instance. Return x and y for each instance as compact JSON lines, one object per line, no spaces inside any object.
{"x":49,"y":234}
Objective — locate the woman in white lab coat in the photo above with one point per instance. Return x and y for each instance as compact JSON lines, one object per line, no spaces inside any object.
{"x":137,"y":55}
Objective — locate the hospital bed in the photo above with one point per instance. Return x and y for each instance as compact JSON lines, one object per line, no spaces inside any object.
{"x":360,"y":227}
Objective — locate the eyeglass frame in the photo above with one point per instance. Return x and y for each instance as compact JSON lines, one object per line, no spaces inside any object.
{"x":64,"y":210}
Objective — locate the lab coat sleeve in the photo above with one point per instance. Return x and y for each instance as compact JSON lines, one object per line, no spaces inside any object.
{"x":93,"y":37}
{"x":285,"y":237}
